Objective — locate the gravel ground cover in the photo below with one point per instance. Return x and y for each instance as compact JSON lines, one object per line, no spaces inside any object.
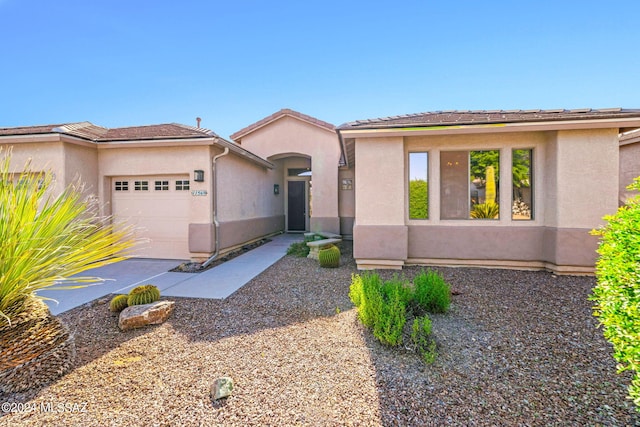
{"x":516,"y":348}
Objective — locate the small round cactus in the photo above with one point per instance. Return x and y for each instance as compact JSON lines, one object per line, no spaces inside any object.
{"x":144,"y":294}
{"x":329,"y":257}
{"x":118,"y":303}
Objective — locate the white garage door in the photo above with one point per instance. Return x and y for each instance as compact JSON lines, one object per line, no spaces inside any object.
{"x":158,"y":206}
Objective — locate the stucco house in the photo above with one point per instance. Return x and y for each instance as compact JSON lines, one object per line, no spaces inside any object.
{"x":515,"y":189}
{"x":188,"y":191}
{"x":554,"y":175}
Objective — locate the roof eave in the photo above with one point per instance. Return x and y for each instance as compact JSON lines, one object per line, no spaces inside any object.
{"x":244,"y":153}
{"x":489,"y":127}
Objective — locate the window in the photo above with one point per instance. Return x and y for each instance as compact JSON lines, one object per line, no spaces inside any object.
{"x":484,"y":173}
{"x":182,"y":185}
{"x":122,"y":185}
{"x":522,"y":191}
{"x":418,"y":186}
{"x":162,"y":185}
{"x":299,"y":172}
{"x":469,"y":184}
{"x":141,"y":186}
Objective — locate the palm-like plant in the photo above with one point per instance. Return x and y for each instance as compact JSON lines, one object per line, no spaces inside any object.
{"x":485,"y":211}
{"x":46,"y":239}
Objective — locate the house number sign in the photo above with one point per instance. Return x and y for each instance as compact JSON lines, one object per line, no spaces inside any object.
{"x":198,"y":192}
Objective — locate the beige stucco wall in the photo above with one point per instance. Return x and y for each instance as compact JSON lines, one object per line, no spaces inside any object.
{"x":68,"y":161}
{"x":629,"y":169}
{"x":289,"y":136}
{"x":81,"y":163}
{"x":380,"y":181}
{"x":245,"y":190}
{"x":586,"y":177}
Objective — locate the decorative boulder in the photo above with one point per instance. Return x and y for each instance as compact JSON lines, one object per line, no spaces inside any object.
{"x":138,"y":316}
{"x":222,"y":387}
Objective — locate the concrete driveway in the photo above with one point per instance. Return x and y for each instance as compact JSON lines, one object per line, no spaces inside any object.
{"x":217,"y":283}
{"x":120,"y":277}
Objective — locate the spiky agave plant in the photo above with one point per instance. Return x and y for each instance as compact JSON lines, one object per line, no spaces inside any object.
{"x":46,"y":238}
{"x":144,"y":294}
{"x":485,"y":211}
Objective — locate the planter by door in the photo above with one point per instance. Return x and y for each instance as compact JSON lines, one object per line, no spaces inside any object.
{"x":296,"y":212}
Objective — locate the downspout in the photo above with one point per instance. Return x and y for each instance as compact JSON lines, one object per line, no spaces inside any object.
{"x":216,"y":224}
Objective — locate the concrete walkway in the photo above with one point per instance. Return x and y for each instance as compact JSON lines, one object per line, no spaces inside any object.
{"x":218,"y":282}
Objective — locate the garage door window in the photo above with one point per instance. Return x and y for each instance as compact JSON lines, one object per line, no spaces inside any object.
{"x":162,"y":185}
{"x":182,"y":185}
{"x":122,"y":185}
{"x":141,"y":186}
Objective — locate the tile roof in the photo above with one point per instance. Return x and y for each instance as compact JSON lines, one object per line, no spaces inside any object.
{"x":456,"y":118}
{"x":275,"y":116}
{"x":91,"y":132}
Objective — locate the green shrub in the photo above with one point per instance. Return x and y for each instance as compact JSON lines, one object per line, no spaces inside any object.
{"x":144,"y":294}
{"x":387,"y":327}
{"x":617,"y":293}
{"x":383,"y":306}
{"x":365,"y":293}
{"x":118,"y":303}
{"x":421,"y":337}
{"x":431,"y":293}
{"x":329,"y":257}
{"x":298,"y":249}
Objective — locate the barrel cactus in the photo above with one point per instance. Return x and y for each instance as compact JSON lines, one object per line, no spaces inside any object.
{"x":329,"y":257}
{"x":118,"y":303}
{"x":144,"y":294}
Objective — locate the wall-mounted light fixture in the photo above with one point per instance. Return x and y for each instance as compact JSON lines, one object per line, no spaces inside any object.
{"x":198,"y":175}
{"x":276,"y":189}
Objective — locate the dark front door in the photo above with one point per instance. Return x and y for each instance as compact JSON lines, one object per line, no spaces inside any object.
{"x":296,"y":213}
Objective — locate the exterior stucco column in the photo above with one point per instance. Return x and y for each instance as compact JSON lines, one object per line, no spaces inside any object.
{"x":380,"y":236}
{"x":581,"y":190}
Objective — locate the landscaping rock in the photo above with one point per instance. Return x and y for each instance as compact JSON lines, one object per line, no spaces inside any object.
{"x":138,"y":316}
{"x":222,"y":387}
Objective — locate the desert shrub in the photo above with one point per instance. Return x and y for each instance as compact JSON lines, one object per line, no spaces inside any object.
{"x":431,"y":293}
{"x":387,"y":327}
{"x":46,"y":237}
{"x":143,"y":294}
{"x":365,"y":293}
{"x":384,"y":306}
{"x":381,"y":305}
{"x":617,"y":293}
{"x":329,"y":257}
{"x":485,"y":211}
{"x":298,"y":249}
{"x":118,"y":303}
{"x":421,"y":337}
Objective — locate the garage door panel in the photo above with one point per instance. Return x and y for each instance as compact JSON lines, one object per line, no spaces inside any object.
{"x":161,"y":217}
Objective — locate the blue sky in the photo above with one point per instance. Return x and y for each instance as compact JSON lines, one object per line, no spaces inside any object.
{"x":125,"y":63}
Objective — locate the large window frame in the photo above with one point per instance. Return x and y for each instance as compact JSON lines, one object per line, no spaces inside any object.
{"x":505,"y":176}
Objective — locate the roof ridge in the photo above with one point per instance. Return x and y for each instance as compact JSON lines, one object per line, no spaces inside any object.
{"x":277,"y":115}
{"x":197,"y":129}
